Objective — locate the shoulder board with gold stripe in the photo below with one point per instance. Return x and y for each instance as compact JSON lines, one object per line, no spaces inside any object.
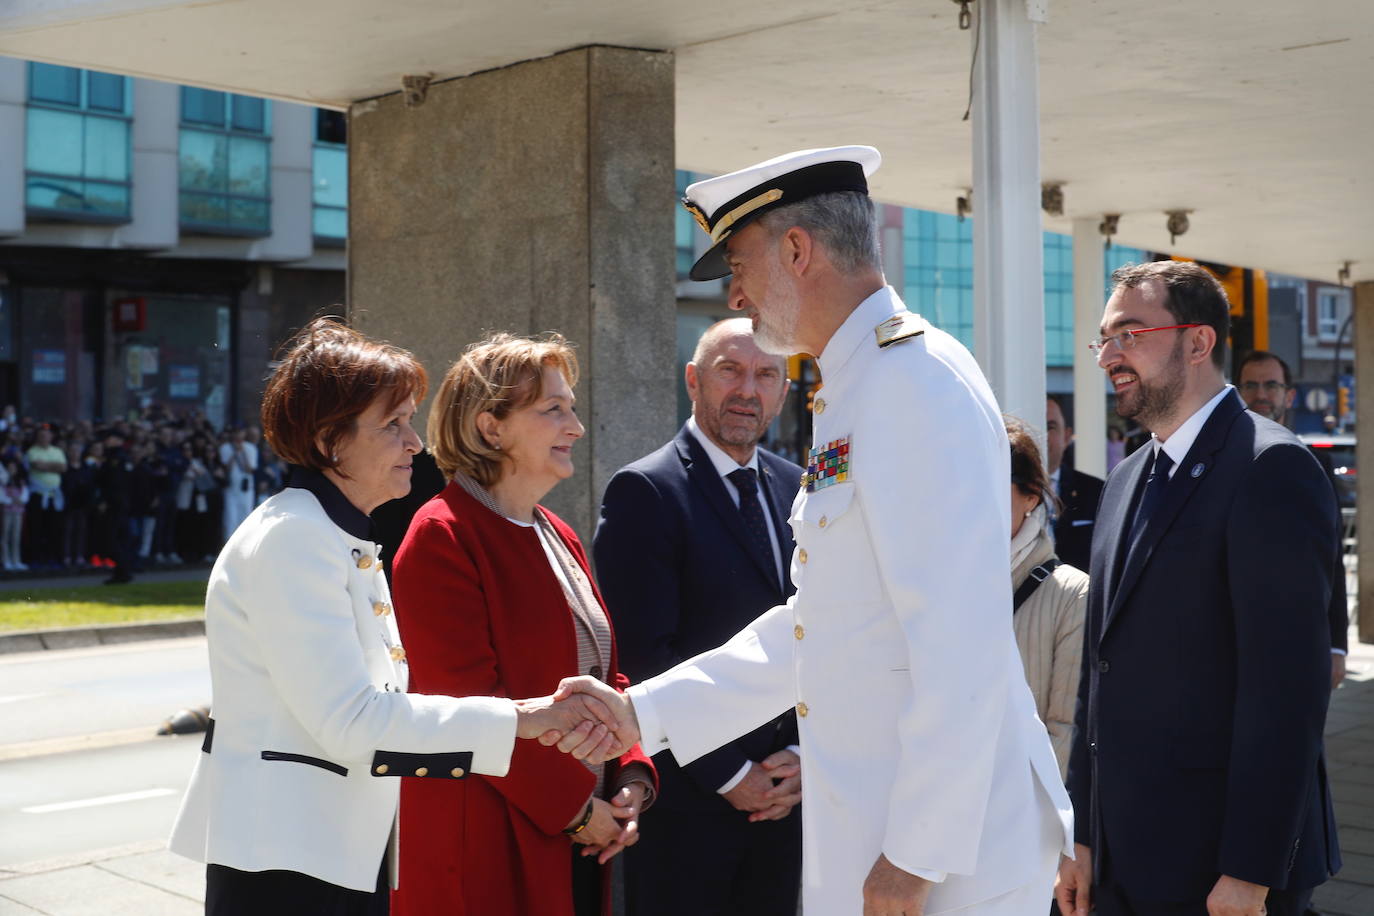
{"x":900,"y":327}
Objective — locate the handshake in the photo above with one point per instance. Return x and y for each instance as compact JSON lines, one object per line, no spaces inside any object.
{"x":584,"y":717}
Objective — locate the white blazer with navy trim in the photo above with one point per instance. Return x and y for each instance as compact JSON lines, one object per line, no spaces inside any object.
{"x":310,"y":713}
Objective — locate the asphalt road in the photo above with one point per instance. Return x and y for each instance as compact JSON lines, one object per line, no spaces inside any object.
{"x":81,"y":768}
{"x":66,"y":804}
{"x":72,"y":692}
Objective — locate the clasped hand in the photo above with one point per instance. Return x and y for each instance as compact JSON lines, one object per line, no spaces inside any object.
{"x":770,"y":789}
{"x":584,"y":718}
{"x":614,"y":825}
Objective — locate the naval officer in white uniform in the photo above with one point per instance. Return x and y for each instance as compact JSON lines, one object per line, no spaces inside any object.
{"x":930,"y":784}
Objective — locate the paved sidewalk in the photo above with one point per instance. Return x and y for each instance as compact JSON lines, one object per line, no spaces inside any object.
{"x":1350,"y":766}
{"x":147,"y":880}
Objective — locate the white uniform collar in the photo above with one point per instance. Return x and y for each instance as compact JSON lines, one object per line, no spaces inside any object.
{"x":723,"y":463}
{"x":857,"y":329}
{"x":1177,"y":445}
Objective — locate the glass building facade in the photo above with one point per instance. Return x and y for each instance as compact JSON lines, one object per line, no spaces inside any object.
{"x":78,"y":157}
{"x":330,"y":177}
{"x":225,"y":163}
{"x":938,"y":282}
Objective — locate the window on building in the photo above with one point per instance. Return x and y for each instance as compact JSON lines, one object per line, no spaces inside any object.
{"x":938,"y":257}
{"x":225,"y":163}
{"x":1333,"y":308}
{"x":330,"y":172}
{"x":685,"y":227}
{"x":77,"y":158}
{"x":1058,"y":255}
{"x":938,"y":281}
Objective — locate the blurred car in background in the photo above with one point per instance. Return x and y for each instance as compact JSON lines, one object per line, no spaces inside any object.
{"x":1337,"y":452}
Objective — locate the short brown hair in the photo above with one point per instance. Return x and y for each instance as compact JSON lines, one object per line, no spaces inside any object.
{"x":329,"y":375}
{"x":498,"y":375}
{"x":1027,"y":471}
{"x":1194,"y":296}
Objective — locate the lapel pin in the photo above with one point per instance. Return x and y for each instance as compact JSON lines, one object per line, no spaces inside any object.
{"x":1198,"y":469}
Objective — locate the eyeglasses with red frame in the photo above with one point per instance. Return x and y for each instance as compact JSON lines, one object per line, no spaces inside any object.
{"x":1125,"y":340}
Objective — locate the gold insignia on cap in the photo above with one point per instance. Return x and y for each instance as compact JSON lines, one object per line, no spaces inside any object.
{"x":743,"y":210}
{"x":697,"y":215}
{"x":901,"y":326}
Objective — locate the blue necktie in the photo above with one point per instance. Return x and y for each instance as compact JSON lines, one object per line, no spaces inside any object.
{"x":1152,"y":497}
{"x":746,"y":482}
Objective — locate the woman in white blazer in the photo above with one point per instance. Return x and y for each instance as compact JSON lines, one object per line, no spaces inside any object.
{"x":293,"y":803}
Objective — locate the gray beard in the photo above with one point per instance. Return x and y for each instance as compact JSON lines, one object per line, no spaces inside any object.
{"x":780,"y":339}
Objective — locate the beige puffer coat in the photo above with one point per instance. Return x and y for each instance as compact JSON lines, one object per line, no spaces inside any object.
{"x":1049,"y":634}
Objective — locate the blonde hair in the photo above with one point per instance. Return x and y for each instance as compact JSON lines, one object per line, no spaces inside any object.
{"x":498,"y":375}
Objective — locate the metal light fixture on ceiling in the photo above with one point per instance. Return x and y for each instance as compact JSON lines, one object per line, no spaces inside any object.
{"x":414,"y":88}
{"x":1108,"y":228}
{"x":1052,"y":198}
{"x":1177,"y":223}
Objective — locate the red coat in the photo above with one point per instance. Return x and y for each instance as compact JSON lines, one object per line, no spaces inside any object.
{"x":482,"y":613}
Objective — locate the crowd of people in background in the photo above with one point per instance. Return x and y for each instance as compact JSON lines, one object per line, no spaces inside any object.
{"x":126,"y":495}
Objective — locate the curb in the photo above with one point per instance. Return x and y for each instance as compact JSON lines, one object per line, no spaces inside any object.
{"x":85,"y":637}
{"x":75,"y":860}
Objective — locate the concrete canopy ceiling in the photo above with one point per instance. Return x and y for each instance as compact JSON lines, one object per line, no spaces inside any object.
{"x":1257,"y":115}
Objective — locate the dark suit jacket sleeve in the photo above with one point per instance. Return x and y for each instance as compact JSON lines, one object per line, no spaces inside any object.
{"x":638,"y":546}
{"x":1339,"y":612}
{"x":1281,"y":538}
{"x":443,"y":606}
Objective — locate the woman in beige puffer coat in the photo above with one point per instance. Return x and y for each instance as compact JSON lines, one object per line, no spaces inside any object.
{"x":1049,"y":622}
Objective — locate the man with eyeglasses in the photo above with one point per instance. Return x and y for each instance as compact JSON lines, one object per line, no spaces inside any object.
{"x":1267,"y":387}
{"x":1196,"y":773}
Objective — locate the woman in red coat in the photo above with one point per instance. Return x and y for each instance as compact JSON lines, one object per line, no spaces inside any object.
{"x":498,"y":601}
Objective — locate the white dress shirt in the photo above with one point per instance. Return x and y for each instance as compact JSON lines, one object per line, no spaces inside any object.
{"x":1177,"y":445}
{"x":725,"y":466}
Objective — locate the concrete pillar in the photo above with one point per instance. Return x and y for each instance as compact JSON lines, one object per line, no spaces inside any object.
{"x":1364,"y":452}
{"x":532,"y":198}
{"x":1008,"y":252}
{"x":1089,"y":392}
{"x":14,"y":93}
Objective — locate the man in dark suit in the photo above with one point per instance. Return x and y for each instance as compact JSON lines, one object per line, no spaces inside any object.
{"x":692,"y":545}
{"x":1078,"y":492}
{"x":1197,"y":774}
{"x":1266,"y":385}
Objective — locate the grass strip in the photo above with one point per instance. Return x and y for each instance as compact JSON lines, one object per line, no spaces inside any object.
{"x":24,"y":608}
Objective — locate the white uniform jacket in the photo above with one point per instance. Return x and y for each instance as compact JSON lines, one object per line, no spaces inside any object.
{"x":311,"y":717}
{"x":919,"y":735}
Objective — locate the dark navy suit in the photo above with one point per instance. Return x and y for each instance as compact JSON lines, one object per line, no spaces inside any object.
{"x":1074,"y":522}
{"x":1206,"y":674}
{"x":679,"y":576}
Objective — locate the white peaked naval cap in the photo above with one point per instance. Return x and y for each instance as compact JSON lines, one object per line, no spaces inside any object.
{"x":723,"y":205}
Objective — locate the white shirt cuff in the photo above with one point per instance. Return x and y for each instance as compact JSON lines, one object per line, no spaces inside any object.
{"x":1339,"y":652}
{"x":935,"y":877}
{"x":737,"y":778}
{"x":652,"y":737}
